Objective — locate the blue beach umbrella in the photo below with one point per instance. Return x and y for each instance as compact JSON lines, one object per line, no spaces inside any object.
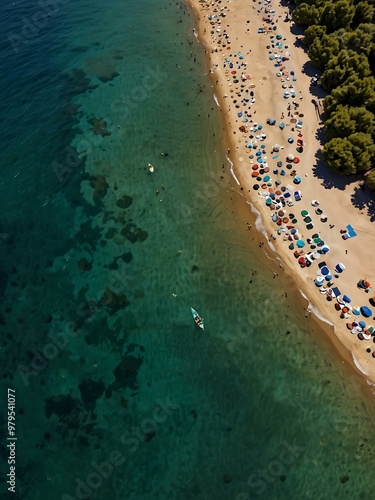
{"x":366,"y":311}
{"x":324,"y":270}
{"x":362,"y":324}
{"x":300,"y":243}
{"x":266,"y":178}
{"x":347,"y":299}
{"x":328,"y":277}
{"x":259,"y":160}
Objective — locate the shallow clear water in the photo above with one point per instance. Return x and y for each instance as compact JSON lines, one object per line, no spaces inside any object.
{"x":101,"y":261}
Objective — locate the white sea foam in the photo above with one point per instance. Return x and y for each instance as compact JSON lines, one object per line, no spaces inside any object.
{"x":316,"y":311}
{"x":232,"y":171}
{"x":357,"y":364}
{"x":216,"y":100}
{"x":260,"y":226}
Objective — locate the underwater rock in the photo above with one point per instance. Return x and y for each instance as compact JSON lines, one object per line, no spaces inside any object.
{"x":77,"y":83}
{"x":100,"y":186}
{"x":99,"y":126}
{"x":126,"y":372}
{"x":90,"y":391}
{"x":84,"y":264}
{"x":125,"y":201}
{"x":134,"y":233}
{"x":149,"y":436}
{"x":111,"y":233}
{"x":227,"y":478}
{"x":112,"y":301}
{"x":102,"y":67}
{"x":66,"y":408}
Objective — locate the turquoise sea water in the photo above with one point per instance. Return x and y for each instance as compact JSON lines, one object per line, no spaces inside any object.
{"x":117,"y":392}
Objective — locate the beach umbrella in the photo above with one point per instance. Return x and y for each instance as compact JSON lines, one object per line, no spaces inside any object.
{"x":290,"y":157}
{"x":325,"y":248}
{"x":362,"y":324}
{"x":300,"y":243}
{"x":319,"y":281}
{"x":324,"y":270}
{"x":366,"y":311}
{"x":256,"y":187}
{"x":296,"y":159}
{"x":315,"y":203}
{"x":356,"y":310}
{"x":339,"y":268}
{"x":347,"y":299}
{"x":276,"y":147}
{"x":297,"y":180}
{"x":268,"y":201}
{"x":290,"y":140}
{"x":328,"y":277}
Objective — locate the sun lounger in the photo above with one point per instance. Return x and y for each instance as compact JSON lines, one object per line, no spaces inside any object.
{"x":350,"y":233}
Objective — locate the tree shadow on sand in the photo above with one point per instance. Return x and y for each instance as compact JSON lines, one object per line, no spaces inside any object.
{"x":363,"y":199}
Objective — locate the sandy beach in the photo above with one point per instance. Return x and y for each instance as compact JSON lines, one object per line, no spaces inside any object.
{"x":251,"y":71}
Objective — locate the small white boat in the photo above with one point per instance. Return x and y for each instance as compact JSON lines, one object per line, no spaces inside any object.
{"x":198,"y":320}
{"x":151,"y":167}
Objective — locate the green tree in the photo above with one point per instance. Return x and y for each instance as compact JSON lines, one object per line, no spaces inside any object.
{"x":370,"y":180}
{"x":323,"y":49}
{"x":346,"y":64}
{"x":354,"y":92}
{"x":314,"y":31}
{"x":339,"y":124}
{"x":363,"y":150}
{"x":364,"y":120}
{"x":306,"y":14}
{"x":337,"y":14}
{"x":360,"y":40}
{"x":364,"y":13}
{"x":337,"y":153}
{"x":349,"y":155}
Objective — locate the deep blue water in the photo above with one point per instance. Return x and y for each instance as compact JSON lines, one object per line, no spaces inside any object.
{"x":117,"y":392}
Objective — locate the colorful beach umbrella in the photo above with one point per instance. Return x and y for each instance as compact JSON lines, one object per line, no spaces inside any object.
{"x":366,"y":311}
{"x":300,"y":243}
